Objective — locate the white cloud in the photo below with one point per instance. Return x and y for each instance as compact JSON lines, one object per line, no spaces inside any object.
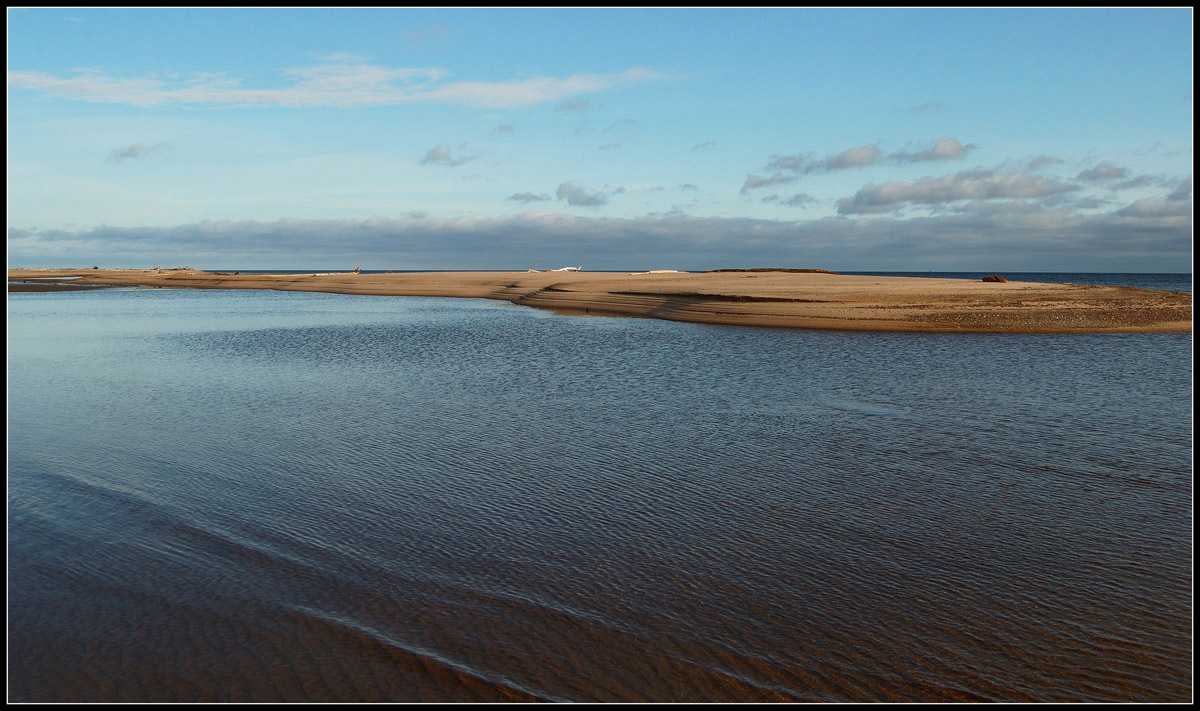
{"x":870,"y":154}
{"x":528,"y":197}
{"x":1102,"y":171}
{"x":986,"y":236}
{"x":1184,"y":191}
{"x":968,"y":185}
{"x":440,"y":155}
{"x":1157,"y":208}
{"x":1181,"y":188}
{"x":582,"y":197}
{"x":754,"y":182}
{"x":1177,"y":204}
{"x":799,"y":200}
{"x":804,"y":164}
{"x":1143,"y":181}
{"x":135,"y":151}
{"x":339,"y":83}
{"x":853,"y":158}
{"x":1039,"y":162}
{"x":525,"y":92}
{"x":943,"y":149}
{"x":799,"y":163}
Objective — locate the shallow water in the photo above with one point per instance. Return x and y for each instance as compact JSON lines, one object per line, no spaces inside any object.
{"x":265,"y":496}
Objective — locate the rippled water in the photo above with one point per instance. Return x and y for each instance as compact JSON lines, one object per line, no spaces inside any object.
{"x":241,"y":496}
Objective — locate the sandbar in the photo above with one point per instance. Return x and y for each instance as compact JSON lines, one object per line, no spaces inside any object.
{"x":765,"y":298}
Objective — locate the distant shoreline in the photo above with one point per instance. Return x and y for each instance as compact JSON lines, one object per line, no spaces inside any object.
{"x":814,"y":299}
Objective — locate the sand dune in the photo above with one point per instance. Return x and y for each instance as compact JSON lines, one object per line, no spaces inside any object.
{"x":790,"y":299}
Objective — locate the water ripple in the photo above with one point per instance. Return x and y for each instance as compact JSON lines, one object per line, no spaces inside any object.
{"x":353,"y":499}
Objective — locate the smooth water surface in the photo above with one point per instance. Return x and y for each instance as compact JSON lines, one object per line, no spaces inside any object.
{"x":266,"y":496}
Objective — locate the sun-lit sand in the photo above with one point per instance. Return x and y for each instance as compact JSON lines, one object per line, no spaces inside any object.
{"x":746,"y":298}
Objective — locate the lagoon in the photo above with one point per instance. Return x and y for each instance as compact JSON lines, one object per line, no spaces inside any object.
{"x":276,"y":496}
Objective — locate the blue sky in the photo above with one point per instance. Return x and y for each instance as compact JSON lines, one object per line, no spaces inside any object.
{"x":973,"y":139}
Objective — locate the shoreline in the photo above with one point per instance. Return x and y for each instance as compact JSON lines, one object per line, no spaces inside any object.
{"x":812,"y":299}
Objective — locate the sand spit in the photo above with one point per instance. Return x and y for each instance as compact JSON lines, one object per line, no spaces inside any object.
{"x":789,"y":299}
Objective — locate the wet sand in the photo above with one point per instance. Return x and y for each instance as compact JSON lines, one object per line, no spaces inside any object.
{"x":788,"y":299}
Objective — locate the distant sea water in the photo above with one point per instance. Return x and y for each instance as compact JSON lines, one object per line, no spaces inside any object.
{"x":280,"y":496}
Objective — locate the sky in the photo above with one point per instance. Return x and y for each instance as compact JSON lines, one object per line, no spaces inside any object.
{"x":614,"y":139}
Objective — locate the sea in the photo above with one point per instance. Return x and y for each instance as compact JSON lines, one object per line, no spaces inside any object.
{"x":261,"y":496}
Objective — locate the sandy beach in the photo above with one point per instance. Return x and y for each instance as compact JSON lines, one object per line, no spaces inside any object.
{"x":789,"y":299}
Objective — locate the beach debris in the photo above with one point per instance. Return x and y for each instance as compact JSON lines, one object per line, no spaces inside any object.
{"x":567,"y":269}
{"x":996,"y":278}
{"x":357,"y":270}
